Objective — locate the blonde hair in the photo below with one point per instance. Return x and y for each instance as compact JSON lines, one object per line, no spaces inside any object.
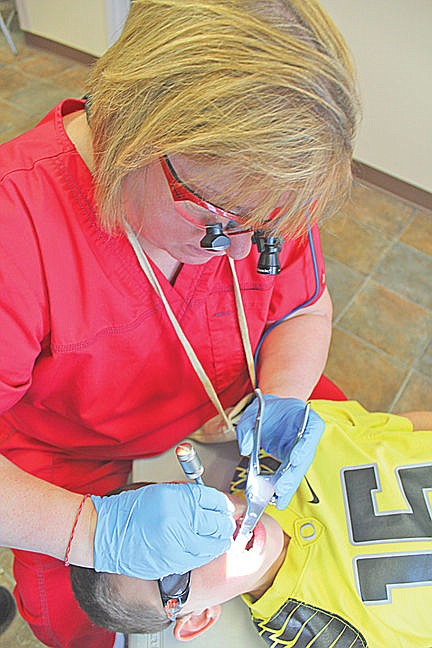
{"x":266,"y":87}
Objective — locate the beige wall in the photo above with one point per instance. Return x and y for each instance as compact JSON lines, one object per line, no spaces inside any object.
{"x":85,"y":25}
{"x":391,"y":43}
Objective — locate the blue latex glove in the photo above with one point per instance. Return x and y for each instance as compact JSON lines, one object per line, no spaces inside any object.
{"x":282,"y":420}
{"x":161,"y":529}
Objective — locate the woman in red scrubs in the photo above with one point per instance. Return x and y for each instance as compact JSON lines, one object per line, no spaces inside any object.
{"x":122,"y":330}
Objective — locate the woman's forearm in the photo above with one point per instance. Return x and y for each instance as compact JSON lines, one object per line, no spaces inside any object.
{"x":38,"y":516}
{"x":294,"y":354}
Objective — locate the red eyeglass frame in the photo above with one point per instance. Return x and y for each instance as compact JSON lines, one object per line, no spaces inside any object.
{"x":181,"y":192}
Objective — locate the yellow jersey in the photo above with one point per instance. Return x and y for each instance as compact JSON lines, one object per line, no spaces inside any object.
{"x":358,"y":568}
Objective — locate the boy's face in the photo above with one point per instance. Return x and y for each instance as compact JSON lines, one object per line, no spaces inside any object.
{"x":236,"y":572}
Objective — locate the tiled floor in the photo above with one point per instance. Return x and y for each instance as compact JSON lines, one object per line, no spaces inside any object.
{"x":379,"y":268}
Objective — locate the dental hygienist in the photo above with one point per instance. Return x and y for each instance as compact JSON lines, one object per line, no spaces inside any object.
{"x":132,"y":298}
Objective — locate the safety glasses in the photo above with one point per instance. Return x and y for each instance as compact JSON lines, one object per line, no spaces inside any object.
{"x":194,"y":204}
{"x":174,"y":591}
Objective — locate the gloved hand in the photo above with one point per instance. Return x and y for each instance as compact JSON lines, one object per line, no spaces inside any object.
{"x":161,"y":529}
{"x":282,"y":420}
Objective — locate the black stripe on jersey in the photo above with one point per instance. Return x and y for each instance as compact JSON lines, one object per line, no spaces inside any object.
{"x":268,"y":464}
{"x":299,"y":625}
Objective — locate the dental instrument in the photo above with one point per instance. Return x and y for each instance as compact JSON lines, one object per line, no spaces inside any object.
{"x":260,"y":488}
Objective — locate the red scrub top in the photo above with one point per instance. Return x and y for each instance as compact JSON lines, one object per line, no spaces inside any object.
{"x":90,"y":364}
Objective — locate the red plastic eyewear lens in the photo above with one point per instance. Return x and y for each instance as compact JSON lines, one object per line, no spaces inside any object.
{"x":181,"y":192}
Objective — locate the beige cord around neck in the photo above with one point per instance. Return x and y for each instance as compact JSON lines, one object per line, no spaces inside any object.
{"x":196,"y":364}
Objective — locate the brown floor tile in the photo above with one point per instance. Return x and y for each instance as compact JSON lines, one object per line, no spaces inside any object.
{"x":19,"y":635}
{"x":376,"y":208}
{"x":74,"y":79}
{"x":417,"y":394}
{"x":44,"y":65}
{"x":9,"y":135}
{"x":6,"y":561}
{"x":343,"y":284}
{"x":36,"y":97}
{"x":407,"y":272}
{"x":11,"y":80}
{"x":424,"y":363}
{"x":6,"y":55}
{"x":364,"y":373}
{"x":418,"y":234}
{"x":389,"y":322}
{"x":352,"y":243}
{"x":13,"y":118}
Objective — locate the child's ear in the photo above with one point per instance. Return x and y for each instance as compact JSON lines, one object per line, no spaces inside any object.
{"x":194,"y":624}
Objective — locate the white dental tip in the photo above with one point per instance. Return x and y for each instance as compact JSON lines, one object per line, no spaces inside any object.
{"x":242,"y":539}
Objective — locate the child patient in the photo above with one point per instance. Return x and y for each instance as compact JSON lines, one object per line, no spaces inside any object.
{"x":348,"y":564}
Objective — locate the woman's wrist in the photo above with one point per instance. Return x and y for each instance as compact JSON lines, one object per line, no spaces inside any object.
{"x":81,"y":535}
